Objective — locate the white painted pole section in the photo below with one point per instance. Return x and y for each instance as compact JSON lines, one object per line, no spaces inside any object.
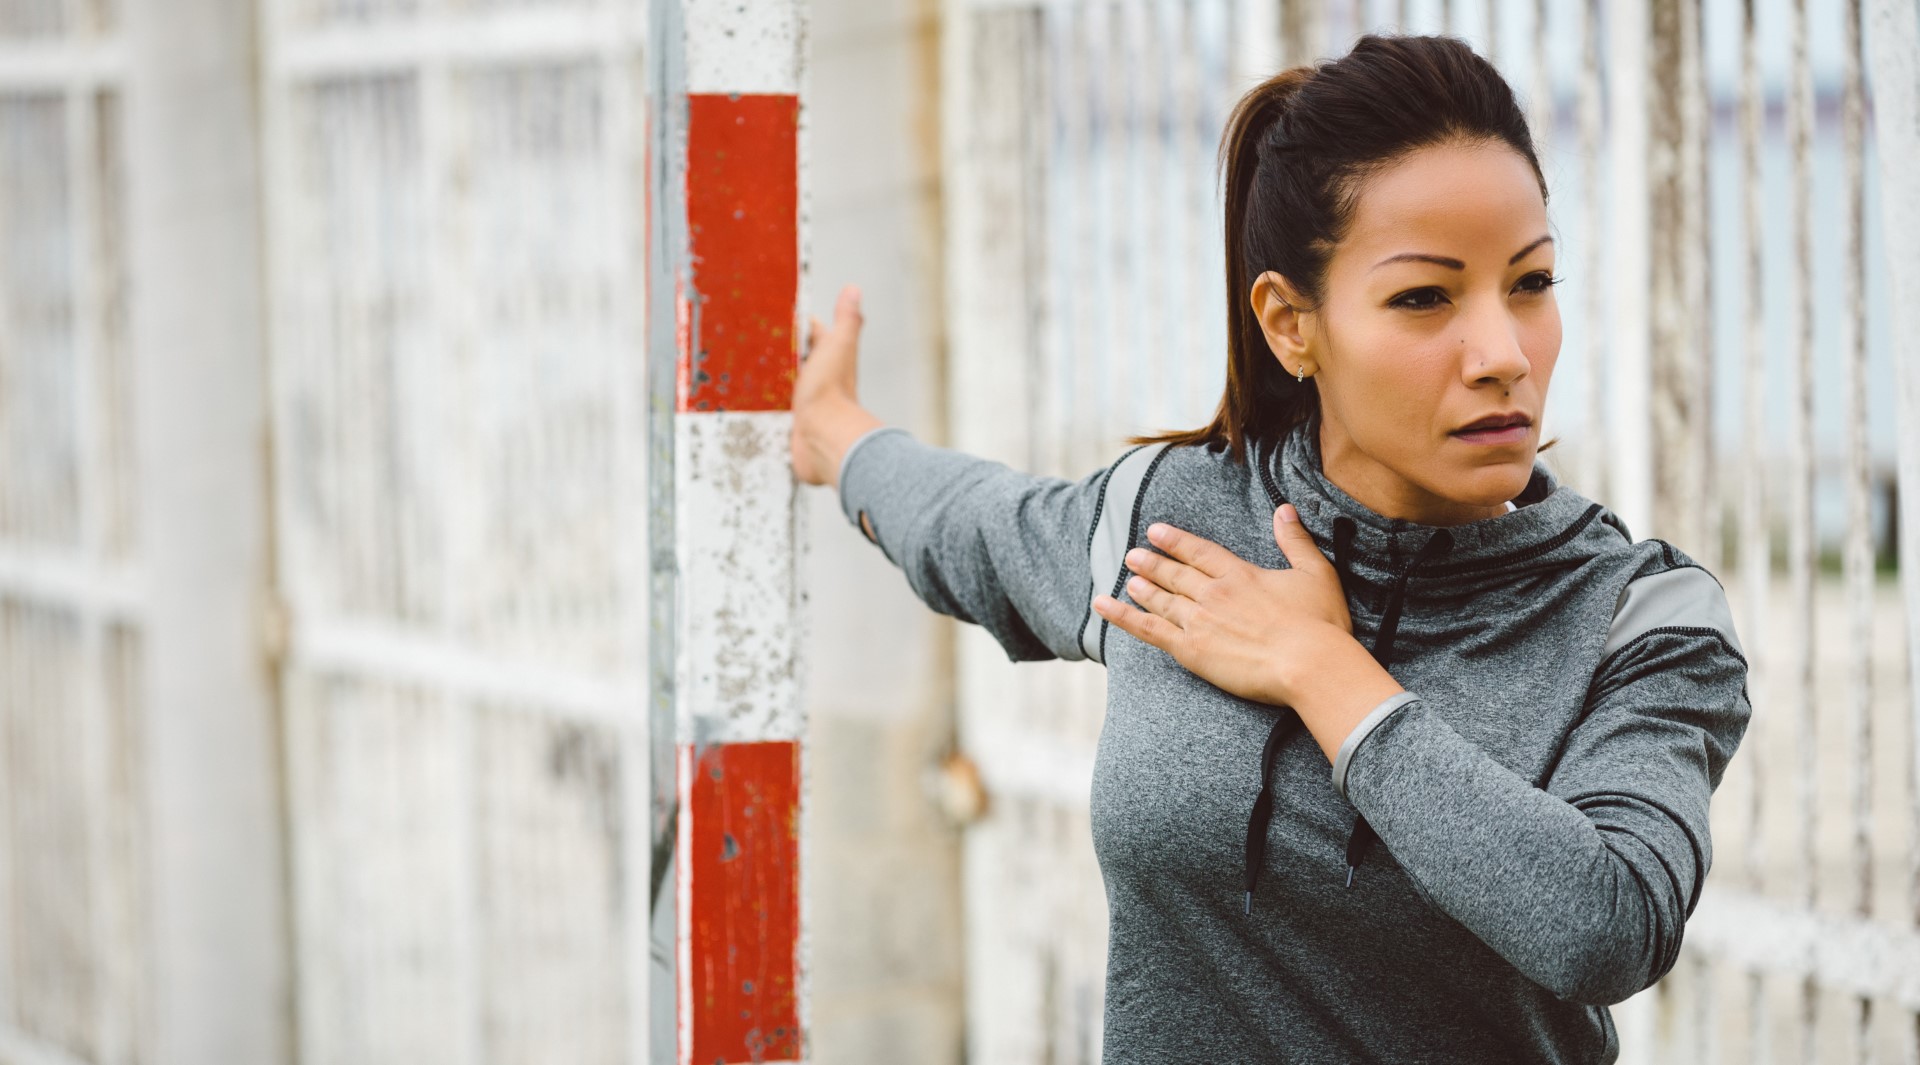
{"x":1629,"y":334}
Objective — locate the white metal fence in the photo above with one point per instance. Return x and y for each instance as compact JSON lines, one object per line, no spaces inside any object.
{"x":72,"y":977}
{"x":456,"y":252}
{"x":1745,"y":399}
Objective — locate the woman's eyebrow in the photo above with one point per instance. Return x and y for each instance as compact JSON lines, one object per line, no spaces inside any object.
{"x":1522,"y":253}
{"x":1453,"y":264}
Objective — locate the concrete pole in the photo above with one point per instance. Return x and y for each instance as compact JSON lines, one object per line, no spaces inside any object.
{"x":219,"y":924}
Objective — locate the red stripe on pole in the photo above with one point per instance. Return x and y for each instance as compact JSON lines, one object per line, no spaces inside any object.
{"x":743,"y":207}
{"x":744,"y":861}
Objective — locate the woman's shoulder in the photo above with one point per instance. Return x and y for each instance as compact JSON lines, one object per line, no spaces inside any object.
{"x":1667,"y":590}
{"x":1197,"y":488}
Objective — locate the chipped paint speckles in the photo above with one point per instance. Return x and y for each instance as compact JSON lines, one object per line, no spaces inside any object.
{"x":742,"y":46}
{"x":735,"y":488}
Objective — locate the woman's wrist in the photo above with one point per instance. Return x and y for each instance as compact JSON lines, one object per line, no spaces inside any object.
{"x":827,"y":428}
{"x":1336,"y":685}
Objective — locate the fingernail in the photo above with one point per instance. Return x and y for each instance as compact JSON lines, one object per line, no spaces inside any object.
{"x":1287,"y":513}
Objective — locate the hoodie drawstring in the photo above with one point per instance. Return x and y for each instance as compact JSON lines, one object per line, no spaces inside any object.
{"x":1438,"y":544}
{"x":1363,"y":835}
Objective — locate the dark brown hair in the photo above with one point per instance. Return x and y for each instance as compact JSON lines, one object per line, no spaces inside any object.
{"x":1295,"y":152}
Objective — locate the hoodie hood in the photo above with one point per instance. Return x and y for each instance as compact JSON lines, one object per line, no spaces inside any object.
{"x":1553,"y":527}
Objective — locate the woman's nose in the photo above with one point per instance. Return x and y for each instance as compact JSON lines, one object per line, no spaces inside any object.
{"x":1491,"y":352}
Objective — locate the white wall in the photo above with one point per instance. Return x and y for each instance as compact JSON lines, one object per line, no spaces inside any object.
{"x":884,"y":880}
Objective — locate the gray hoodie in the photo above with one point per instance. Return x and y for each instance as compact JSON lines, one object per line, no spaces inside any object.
{"x":1494,"y":856}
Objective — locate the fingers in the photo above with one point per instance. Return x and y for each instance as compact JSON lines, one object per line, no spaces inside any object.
{"x":1295,"y":541}
{"x":833,"y":351}
{"x":1158,"y":600}
{"x":1139,"y":624}
{"x":1196,"y":551}
{"x":1165,"y":572}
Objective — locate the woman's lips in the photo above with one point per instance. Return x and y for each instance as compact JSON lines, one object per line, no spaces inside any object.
{"x":1511,"y":434}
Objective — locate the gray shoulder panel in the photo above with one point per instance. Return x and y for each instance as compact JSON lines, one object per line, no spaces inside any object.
{"x":1686,"y":596}
{"x":1112,"y":528}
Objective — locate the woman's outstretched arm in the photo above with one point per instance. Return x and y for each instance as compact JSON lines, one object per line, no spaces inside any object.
{"x":976,"y":539}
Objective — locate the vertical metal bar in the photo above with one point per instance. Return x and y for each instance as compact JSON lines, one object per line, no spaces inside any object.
{"x":1629,"y":344}
{"x":1755,"y":546}
{"x":1895,"y":44}
{"x":1054,"y":374}
{"x":1698,"y":146}
{"x":442,"y":159}
{"x":624,"y":167}
{"x":1108,"y":133}
{"x":1858,"y":561}
{"x":1800,"y":531}
{"x":1801,"y":545}
{"x":1193,"y":210}
{"x":1696,"y":343}
{"x":666,"y":233}
{"x":84,"y":713}
{"x":1540,"y":102}
{"x":1675,"y":409}
{"x":1594,"y":478}
{"x":1077,"y":107}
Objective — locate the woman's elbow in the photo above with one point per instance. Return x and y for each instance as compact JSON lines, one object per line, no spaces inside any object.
{"x":1604,"y":970}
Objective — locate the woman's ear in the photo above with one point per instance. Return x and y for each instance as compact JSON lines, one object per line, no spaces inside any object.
{"x":1278,"y":306}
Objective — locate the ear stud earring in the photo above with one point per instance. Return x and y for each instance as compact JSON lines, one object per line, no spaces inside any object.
{"x":1300,"y":374}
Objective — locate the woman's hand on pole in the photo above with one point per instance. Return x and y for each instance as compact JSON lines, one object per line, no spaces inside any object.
{"x":827,"y":416}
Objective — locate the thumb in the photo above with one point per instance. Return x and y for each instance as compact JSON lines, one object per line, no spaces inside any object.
{"x":843,"y":339}
{"x":847,"y":318}
{"x":1295,"y":541}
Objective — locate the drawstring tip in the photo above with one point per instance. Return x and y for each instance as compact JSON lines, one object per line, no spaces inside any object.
{"x":1350,"y":870}
{"x":1249,"y":902}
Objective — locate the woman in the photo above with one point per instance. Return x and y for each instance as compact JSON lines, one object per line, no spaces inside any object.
{"x":1524,"y":707}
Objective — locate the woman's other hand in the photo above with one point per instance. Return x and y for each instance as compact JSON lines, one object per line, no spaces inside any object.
{"x":827,"y":416}
{"x":1251,"y":631}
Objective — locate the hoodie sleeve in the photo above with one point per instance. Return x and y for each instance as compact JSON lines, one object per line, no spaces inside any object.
{"x":980,"y":541}
{"x":1584,"y":884}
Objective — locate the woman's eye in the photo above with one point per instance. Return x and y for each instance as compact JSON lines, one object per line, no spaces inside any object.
{"x":1538,"y":281}
{"x":1419,"y":299}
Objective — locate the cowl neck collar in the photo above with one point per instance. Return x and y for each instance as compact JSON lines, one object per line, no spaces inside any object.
{"x":1553,"y":527}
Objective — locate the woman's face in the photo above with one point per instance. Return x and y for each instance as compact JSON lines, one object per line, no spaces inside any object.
{"x":1438,"y":313}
